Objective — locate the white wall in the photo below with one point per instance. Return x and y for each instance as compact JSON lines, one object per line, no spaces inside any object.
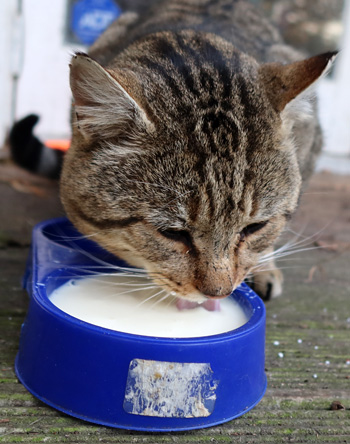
{"x":8,"y":14}
{"x":44,"y":84}
{"x":335,"y":97}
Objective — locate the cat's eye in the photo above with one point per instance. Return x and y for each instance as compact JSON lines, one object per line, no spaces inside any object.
{"x":178,"y":236}
{"x":252,"y":228}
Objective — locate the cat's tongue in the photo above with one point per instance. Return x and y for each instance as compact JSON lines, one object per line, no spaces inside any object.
{"x":209,"y":304}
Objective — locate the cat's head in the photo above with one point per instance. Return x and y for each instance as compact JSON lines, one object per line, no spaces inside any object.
{"x":182,"y":159}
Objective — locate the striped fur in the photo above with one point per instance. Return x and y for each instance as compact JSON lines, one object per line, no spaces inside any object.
{"x":188,"y":149}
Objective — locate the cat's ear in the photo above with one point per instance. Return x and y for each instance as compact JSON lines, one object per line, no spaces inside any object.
{"x":284,"y":82}
{"x":102,"y":106}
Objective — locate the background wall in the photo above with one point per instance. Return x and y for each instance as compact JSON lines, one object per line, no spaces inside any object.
{"x":8,"y":16}
{"x":44,"y":86}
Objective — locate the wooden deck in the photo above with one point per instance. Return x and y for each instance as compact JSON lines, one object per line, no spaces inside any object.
{"x":307,"y":341}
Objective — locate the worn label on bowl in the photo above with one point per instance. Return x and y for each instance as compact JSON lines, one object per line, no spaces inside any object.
{"x":170,"y":389}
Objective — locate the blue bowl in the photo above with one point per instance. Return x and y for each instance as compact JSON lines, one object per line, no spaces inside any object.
{"x":125,"y":380}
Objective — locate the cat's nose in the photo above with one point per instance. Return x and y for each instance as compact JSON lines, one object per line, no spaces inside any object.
{"x":214,"y":279}
{"x":215,"y":288}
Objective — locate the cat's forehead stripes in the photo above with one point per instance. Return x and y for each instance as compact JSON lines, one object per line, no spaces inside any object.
{"x":192,"y":69}
{"x":213,"y":103}
{"x":187,"y":53}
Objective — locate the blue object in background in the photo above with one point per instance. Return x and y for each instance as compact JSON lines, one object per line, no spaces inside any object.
{"x":91,"y":17}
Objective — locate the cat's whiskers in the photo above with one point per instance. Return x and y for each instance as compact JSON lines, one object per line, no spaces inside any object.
{"x":69,"y":274}
{"x":292,"y":247}
{"x":107,"y":283}
{"x":160,"y":300}
{"x":139,"y":272}
{"x":298,"y":244}
{"x":135,"y":290}
{"x":130,"y":284}
{"x":122,"y":272}
{"x":94,"y":270}
{"x":313,"y":237}
{"x":171,"y":299}
{"x":260,"y":269}
{"x":150,"y":297}
{"x":117,"y":272}
{"x":105,"y":264}
{"x":278,"y":255}
{"x":64,"y":238}
{"x":83,"y":273}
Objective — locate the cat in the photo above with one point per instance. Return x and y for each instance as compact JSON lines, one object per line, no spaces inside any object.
{"x":192,"y":135}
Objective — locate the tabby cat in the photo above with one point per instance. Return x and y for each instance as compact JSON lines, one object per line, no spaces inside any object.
{"x":191,"y":139}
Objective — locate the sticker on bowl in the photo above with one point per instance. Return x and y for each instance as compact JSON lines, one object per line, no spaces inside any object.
{"x":170,"y":389}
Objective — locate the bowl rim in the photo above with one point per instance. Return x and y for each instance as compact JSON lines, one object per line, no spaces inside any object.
{"x":39,"y":294}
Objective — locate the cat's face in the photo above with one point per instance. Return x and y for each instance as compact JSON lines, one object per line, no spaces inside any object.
{"x":198,"y":232}
{"x":195,"y":198}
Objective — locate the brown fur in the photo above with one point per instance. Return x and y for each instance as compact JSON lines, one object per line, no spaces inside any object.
{"x":189,"y":146}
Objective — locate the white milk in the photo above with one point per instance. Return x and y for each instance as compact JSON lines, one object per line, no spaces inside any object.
{"x":121,"y":303}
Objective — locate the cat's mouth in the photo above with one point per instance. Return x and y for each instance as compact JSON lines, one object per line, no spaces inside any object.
{"x":193,"y":299}
{"x":208,"y":304}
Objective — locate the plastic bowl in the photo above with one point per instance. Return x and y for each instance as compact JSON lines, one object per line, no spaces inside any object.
{"x":125,"y":380}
